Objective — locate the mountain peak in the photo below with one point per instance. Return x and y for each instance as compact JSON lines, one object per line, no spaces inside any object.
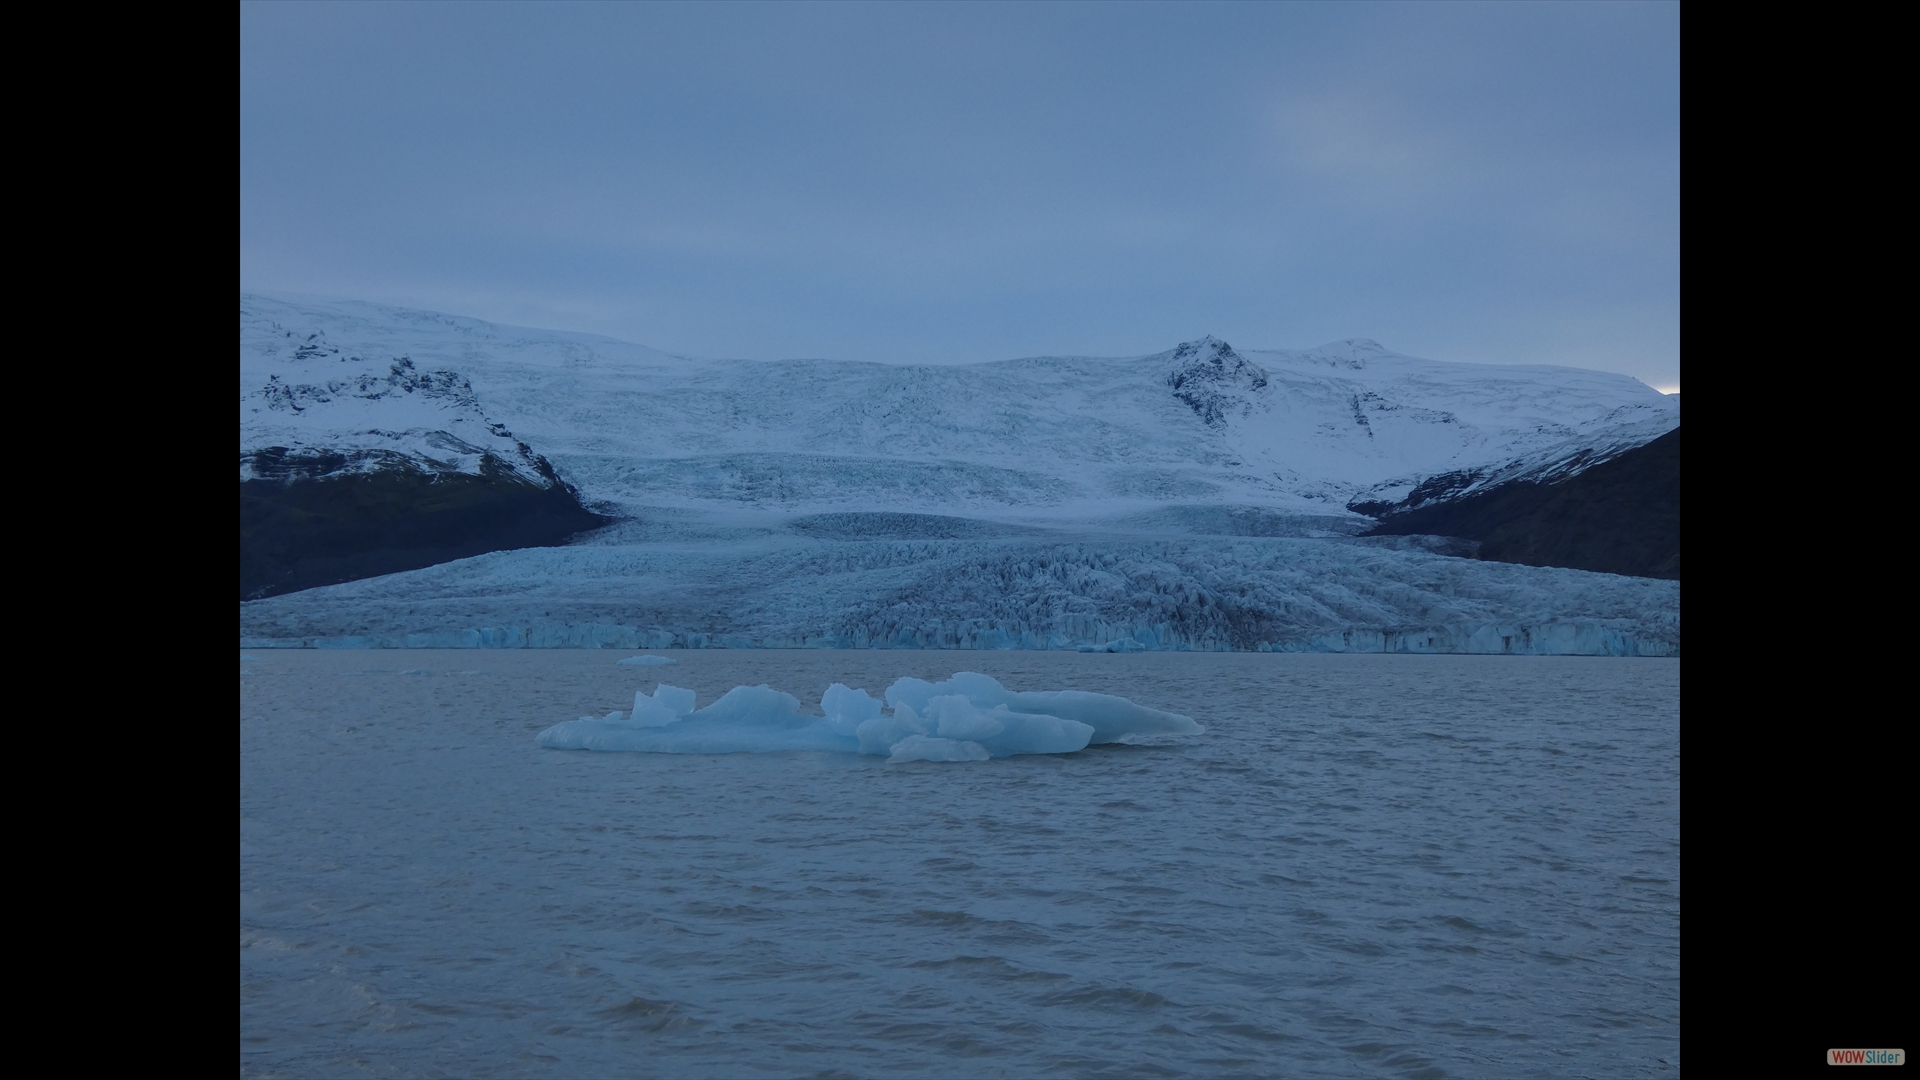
{"x":1213,"y":380}
{"x":1350,"y":353}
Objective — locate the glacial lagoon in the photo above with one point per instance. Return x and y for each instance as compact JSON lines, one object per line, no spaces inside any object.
{"x":1367,"y":865}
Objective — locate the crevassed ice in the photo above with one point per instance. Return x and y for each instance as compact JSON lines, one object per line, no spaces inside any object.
{"x":970,"y":717}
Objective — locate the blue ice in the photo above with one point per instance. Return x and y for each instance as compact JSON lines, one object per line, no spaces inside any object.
{"x":970,"y":717}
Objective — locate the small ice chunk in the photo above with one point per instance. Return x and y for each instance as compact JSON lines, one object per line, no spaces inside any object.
{"x":911,"y":692}
{"x":749,"y":719}
{"x":1001,"y":730}
{"x":673,"y":697}
{"x":648,"y":661}
{"x":983,"y":690}
{"x":1035,"y":733}
{"x":1112,"y":718}
{"x":954,"y":717}
{"x":922,"y":748}
{"x":757,"y":706}
{"x":878,"y":735}
{"x":666,"y":706}
{"x":846,"y":708}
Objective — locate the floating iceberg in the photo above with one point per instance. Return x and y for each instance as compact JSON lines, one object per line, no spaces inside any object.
{"x":648,"y":661}
{"x":970,"y":717}
{"x":923,"y":748}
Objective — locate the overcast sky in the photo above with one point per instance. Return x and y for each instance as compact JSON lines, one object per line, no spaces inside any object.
{"x":956,"y":182}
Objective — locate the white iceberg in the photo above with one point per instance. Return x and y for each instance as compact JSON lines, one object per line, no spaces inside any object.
{"x":665,"y":706}
{"x":1111,"y":718}
{"x":970,"y":717}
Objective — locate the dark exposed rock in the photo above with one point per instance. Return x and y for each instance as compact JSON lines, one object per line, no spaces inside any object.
{"x":1437,"y":488}
{"x":305,"y":522}
{"x":1618,"y":517}
{"x":1212,"y":379}
{"x":402,"y":378}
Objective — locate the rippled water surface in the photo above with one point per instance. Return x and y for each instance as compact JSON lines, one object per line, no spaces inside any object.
{"x":1369,"y":866}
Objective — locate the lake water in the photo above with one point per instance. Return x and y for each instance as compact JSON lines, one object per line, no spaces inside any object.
{"x":1369,"y":866}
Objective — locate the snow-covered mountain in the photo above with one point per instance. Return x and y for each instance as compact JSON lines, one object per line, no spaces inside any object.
{"x":1047,"y":439}
{"x":357,"y":414}
{"x":1200,"y":497}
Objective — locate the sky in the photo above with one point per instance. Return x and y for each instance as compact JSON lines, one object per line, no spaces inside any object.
{"x":946,"y":183}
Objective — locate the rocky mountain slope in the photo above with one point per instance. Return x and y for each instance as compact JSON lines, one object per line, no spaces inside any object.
{"x":1621,"y":516}
{"x":354,"y":466}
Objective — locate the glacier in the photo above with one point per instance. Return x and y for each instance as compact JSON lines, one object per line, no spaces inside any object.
{"x":1201,"y":498}
{"x":969,"y":717}
{"x":1046,"y":438}
{"x":1097,"y":591}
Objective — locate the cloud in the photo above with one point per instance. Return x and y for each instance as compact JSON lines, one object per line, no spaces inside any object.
{"x":978,"y":181}
{"x":1366,"y":144}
